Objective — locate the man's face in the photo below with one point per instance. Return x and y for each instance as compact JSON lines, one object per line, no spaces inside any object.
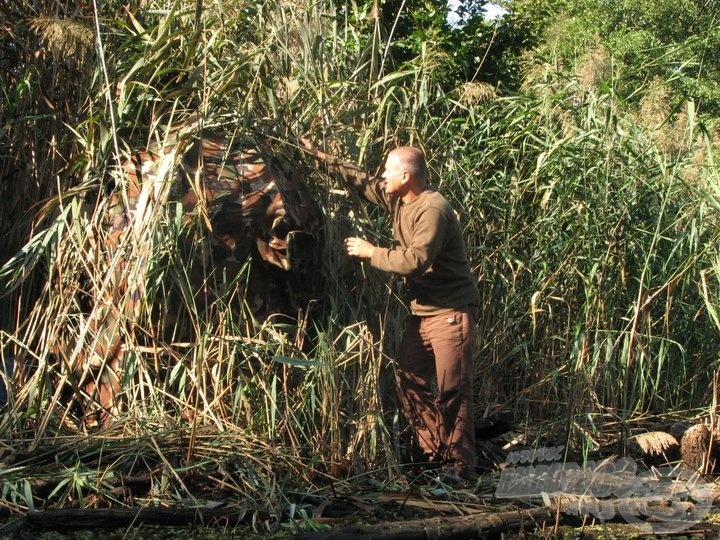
{"x":394,"y":176}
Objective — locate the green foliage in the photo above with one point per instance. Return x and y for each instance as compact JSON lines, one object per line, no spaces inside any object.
{"x":589,"y":197}
{"x":667,"y":40}
{"x":529,"y":20}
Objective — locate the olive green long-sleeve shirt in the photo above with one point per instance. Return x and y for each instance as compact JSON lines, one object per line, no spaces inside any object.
{"x":429,"y":249}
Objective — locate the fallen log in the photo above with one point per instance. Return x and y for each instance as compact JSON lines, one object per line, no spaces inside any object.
{"x":85,"y":518}
{"x":646,"y":514}
{"x":483,"y":525}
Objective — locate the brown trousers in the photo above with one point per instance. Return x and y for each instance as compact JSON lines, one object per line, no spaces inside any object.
{"x":440,"y":348}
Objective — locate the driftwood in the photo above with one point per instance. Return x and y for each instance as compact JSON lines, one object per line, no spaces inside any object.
{"x":476,"y":525}
{"x":483,"y":525}
{"x":106,"y":518}
{"x":644,"y":513}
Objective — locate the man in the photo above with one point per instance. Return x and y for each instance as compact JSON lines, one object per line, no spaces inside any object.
{"x":429,"y":253}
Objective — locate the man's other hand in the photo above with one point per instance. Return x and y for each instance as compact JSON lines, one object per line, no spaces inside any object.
{"x":358,"y":247}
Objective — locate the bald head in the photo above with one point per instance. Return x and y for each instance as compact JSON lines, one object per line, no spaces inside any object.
{"x":412,"y":160}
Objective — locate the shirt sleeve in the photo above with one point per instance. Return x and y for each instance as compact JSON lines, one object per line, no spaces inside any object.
{"x":371,"y":189}
{"x":428,"y":232}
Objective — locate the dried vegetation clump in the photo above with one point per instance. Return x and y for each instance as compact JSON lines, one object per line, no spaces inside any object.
{"x":593,"y":69}
{"x":67,"y":39}
{"x":656,"y":443}
{"x":694,"y":446}
{"x":474,"y":93}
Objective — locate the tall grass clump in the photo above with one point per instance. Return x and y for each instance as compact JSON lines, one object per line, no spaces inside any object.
{"x":204,"y":385}
{"x":591,"y":230}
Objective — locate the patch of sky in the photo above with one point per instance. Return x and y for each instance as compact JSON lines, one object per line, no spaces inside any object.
{"x":492,"y":12}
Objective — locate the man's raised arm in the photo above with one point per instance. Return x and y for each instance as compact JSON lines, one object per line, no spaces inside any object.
{"x":350,"y":173}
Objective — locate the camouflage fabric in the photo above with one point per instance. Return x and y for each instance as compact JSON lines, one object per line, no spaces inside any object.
{"x":248,"y":200}
{"x":247,"y":205}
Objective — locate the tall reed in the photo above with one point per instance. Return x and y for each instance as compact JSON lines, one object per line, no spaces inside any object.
{"x":593,"y":239}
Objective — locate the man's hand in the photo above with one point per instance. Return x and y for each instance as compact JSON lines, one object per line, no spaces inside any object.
{"x":308,"y":146}
{"x":357,"y":247}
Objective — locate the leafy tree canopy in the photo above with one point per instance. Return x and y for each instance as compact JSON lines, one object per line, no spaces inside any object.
{"x":676,"y":42}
